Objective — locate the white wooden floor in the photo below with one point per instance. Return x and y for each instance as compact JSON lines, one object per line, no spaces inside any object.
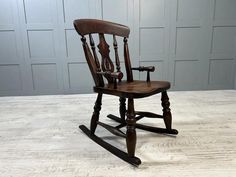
{"x":39,"y":137}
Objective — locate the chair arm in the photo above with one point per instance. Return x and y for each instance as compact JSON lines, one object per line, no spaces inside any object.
{"x":113,"y":75}
{"x":147,"y":68}
{"x":144,"y":68}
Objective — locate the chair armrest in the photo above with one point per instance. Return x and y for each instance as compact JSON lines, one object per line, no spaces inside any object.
{"x":144,"y":68}
{"x":113,"y":75}
{"x":147,"y":68}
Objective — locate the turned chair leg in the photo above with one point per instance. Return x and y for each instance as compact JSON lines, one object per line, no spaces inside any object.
{"x":95,"y":116}
{"x":131,"y":132}
{"x":166,"y":110}
{"x":122,"y":109}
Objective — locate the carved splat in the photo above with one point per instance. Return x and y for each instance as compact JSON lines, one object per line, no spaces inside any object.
{"x":104,"y":50}
{"x":96,"y":58}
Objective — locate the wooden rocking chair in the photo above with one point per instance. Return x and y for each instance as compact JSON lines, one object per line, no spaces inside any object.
{"x":125,"y":89}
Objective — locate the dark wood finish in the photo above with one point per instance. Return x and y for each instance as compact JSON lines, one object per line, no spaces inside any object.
{"x":116,"y":54}
{"x":95,"y":116}
{"x":145,"y":127}
{"x":130,"y":89}
{"x":134,"y":89}
{"x":100,"y":78}
{"x":116,"y":75}
{"x":112,"y":77}
{"x":89,"y":26}
{"x":127,"y":61}
{"x":122,"y":108}
{"x":113,"y":130}
{"x":131,"y":132}
{"x":157,"y":129}
{"x":117,"y":152}
{"x":91,"y":63}
{"x":144,"y":68}
{"x":166,"y":110}
{"x":148,"y":114}
{"x":107,"y":65}
{"x":148,"y":69}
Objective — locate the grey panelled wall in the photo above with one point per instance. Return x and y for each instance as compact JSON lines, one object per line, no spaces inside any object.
{"x":235,"y":83}
{"x":192,"y":43}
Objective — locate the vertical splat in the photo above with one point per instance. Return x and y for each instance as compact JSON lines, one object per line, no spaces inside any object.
{"x":94,"y":52}
{"x":96,"y":58}
{"x":104,"y":50}
{"x":91,"y":62}
{"x":127,"y":61}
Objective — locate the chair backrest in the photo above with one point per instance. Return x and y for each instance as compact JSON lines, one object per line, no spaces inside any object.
{"x":88,"y":27}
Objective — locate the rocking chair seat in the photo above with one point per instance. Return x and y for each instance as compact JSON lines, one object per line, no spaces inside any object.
{"x":134,"y":89}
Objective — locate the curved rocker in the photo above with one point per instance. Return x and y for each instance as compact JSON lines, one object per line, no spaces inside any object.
{"x":117,"y":152}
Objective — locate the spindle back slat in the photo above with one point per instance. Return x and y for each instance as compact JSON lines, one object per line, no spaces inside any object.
{"x":127,"y":61}
{"x":96,"y":58}
{"x":116,"y":54}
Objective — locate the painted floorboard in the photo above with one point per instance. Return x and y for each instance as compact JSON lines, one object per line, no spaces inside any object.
{"x":39,"y":137}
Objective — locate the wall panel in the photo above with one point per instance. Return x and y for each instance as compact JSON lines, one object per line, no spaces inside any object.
{"x":221,"y":72}
{"x":13,"y":81}
{"x":186,"y":75}
{"x":222,"y":65}
{"x":41,"y":43}
{"x":153,"y":35}
{"x":78,"y":69}
{"x":44,"y":76}
{"x":152,"y":43}
{"x":192,"y":43}
{"x":8,"y":49}
{"x":189,"y":44}
{"x":118,"y":14}
{"x":39,"y":26}
{"x":152,"y":13}
{"x":34,"y":9}
{"x":12,"y":64}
